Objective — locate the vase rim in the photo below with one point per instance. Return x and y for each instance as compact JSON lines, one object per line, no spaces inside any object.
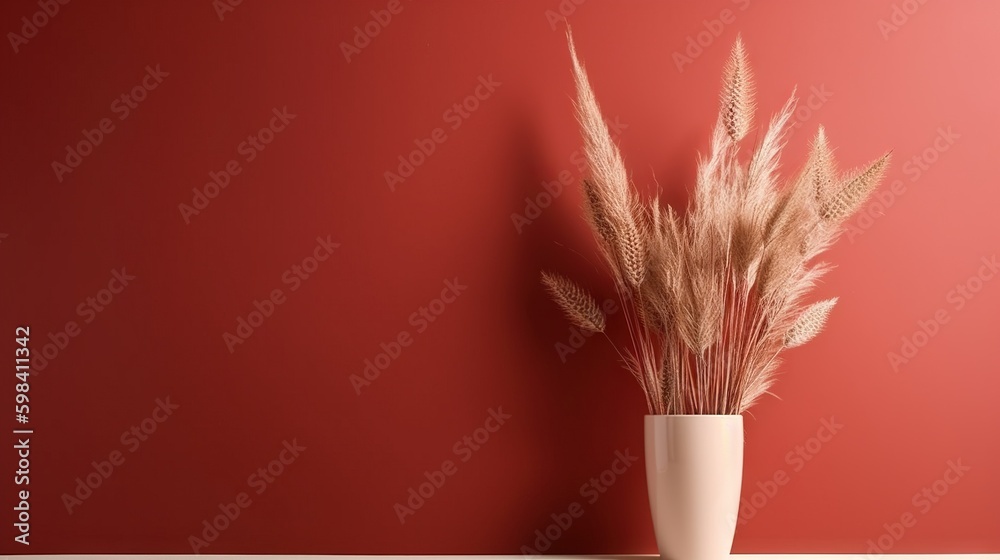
{"x":692,"y":415}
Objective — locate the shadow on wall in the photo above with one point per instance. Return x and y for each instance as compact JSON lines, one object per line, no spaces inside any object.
{"x":559,"y":391}
{"x":580,"y":403}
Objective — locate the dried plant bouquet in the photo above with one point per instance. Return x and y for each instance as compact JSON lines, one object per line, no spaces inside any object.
{"x":713,"y":297}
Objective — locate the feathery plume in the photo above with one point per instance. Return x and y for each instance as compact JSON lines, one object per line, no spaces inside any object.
{"x":605,"y":161}
{"x":608,"y":188}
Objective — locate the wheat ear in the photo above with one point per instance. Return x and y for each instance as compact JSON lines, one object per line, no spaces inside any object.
{"x":809,"y":324}
{"x":578,"y":305}
{"x":822,"y":167}
{"x":852,"y":195}
{"x":597,"y":214}
{"x":737,"y":93}
{"x":632,"y":247}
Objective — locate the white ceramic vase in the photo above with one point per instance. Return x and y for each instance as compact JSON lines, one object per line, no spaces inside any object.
{"x":694,"y":471}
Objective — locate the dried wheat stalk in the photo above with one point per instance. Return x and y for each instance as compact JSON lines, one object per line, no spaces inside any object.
{"x":580,"y":307}
{"x":737,"y":93}
{"x":809,"y":323}
{"x":713,"y":296}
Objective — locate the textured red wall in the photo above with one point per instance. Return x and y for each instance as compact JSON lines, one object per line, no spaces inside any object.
{"x":156,"y":392}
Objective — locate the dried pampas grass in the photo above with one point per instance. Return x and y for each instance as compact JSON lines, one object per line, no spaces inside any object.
{"x":712,"y":297}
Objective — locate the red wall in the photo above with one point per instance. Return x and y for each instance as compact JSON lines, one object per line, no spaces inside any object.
{"x":445,"y":241}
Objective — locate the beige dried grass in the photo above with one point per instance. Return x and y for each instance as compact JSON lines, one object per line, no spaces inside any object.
{"x":713,"y":296}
